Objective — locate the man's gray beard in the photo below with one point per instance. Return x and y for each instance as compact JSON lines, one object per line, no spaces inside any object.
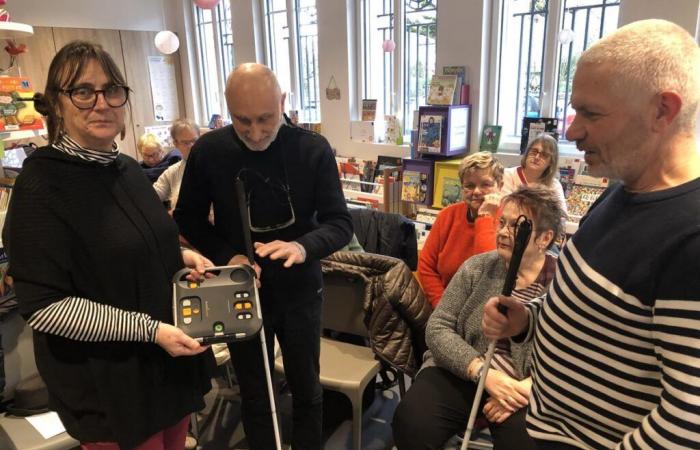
{"x":271,"y":139}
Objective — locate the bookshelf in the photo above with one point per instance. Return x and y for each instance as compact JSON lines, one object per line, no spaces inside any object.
{"x":384,"y":196}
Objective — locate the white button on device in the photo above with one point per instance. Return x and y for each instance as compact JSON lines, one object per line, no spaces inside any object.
{"x":186,"y":303}
{"x":187,"y":320}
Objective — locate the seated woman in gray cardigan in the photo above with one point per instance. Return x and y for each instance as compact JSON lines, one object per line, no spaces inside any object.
{"x":437,"y":405}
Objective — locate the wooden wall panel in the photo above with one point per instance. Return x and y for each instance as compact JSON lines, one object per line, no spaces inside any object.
{"x":35,"y":63}
{"x":130,"y":50}
{"x":111,"y":42}
{"x":137,"y":47}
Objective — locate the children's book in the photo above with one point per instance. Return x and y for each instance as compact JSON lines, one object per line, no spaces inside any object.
{"x":566,"y":178}
{"x":451,"y":191}
{"x":16,"y":111}
{"x":350,"y":175}
{"x":490,"y":138}
{"x":393,"y":132}
{"x":386,"y":162}
{"x":461,"y":73}
{"x":430,"y":134}
{"x":369,"y":109}
{"x":442,"y":89}
{"x":534,"y":126}
{"x":411,"y":186}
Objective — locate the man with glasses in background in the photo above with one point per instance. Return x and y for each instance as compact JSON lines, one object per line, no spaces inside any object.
{"x":297,"y":215}
{"x":184,"y":133}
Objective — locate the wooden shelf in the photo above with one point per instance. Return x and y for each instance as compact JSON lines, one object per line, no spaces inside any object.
{"x":13,"y":30}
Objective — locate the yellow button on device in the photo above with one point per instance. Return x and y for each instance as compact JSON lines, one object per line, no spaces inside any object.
{"x":186,"y":311}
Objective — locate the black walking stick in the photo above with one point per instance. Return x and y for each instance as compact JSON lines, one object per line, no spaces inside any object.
{"x":522,"y":237}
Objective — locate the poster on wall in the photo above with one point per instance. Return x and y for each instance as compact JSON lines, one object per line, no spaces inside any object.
{"x":161,"y":70}
{"x":162,"y":133}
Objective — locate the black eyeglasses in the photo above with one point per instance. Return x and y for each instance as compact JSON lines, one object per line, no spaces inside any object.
{"x":85,"y":97}
{"x":270,"y":203}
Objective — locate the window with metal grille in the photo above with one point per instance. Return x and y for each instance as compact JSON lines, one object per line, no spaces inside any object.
{"x":398,"y":79}
{"x":537,"y":44}
{"x":215,"y":56}
{"x":292,"y":52}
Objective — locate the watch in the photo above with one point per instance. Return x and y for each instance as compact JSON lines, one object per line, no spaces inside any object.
{"x":477,"y":375}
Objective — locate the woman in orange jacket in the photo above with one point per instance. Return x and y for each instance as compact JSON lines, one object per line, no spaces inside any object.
{"x":465,"y":228}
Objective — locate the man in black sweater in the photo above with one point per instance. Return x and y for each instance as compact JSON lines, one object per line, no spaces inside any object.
{"x":297,"y":215}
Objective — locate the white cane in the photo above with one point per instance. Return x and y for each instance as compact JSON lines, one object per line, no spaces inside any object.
{"x":243,"y":210}
{"x":522,"y":236}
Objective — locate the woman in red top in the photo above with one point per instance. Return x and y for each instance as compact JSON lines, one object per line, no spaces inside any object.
{"x":465,"y":228}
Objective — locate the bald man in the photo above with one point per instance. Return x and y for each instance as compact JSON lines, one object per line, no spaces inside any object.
{"x":297,"y":214}
{"x":616,"y":358}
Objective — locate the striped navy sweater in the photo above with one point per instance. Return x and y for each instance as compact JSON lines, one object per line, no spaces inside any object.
{"x":617,"y":340}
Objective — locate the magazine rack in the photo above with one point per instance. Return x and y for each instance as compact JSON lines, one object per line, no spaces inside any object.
{"x":444,"y":130}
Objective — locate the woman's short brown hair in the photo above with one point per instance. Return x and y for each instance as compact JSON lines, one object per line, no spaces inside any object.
{"x":66,"y":68}
{"x":543,"y":204}
{"x":480,"y":161}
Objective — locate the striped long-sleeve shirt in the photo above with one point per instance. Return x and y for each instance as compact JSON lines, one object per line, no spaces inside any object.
{"x":617,"y":339}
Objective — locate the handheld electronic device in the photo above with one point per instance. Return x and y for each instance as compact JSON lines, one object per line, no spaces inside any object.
{"x":221,"y":308}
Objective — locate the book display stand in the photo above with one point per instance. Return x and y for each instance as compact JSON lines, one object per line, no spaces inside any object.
{"x":444,"y":130}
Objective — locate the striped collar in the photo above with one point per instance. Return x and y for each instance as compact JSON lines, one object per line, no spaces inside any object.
{"x":71,"y":147}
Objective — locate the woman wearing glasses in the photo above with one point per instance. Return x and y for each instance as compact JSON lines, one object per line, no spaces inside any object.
{"x":438,"y":404}
{"x":92,"y":255}
{"x":538,"y":165}
{"x":465,"y":228}
{"x":184,"y":133}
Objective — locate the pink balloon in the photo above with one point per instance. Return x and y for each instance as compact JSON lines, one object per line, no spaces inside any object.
{"x":206,"y":4}
{"x":389,"y":45}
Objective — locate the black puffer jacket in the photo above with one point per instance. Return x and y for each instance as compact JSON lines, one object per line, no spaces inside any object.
{"x":396,"y":310}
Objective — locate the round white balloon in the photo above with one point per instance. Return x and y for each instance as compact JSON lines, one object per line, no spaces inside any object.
{"x":167,"y":42}
{"x":566,"y":36}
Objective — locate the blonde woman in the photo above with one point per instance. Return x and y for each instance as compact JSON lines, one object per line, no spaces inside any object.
{"x":154,"y":160}
{"x":465,"y":228}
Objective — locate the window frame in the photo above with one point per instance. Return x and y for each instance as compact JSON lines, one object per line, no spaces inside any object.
{"x":553,"y":52}
{"x":219,"y":49}
{"x":292,"y":8}
{"x":398,"y":96}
